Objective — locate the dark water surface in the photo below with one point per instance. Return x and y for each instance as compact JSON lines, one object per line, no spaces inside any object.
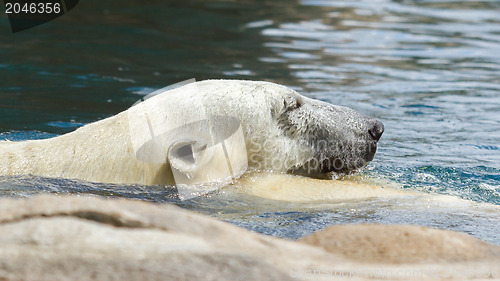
{"x":429,"y":70}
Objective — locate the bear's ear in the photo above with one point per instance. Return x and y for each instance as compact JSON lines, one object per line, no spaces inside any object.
{"x":183,"y":155}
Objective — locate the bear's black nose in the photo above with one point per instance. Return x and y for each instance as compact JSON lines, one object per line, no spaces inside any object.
{"x":376,"y":130}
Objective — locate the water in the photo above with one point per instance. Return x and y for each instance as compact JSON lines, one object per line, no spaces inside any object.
{"x":429,"y":70}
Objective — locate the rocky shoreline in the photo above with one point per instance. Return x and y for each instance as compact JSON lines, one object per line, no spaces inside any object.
{"x":49,"y":237}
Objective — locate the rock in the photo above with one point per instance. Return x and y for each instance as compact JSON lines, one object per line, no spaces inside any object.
{"x":378,"y":243}
{"x":49,"y":237}
{"x":60,"y":238}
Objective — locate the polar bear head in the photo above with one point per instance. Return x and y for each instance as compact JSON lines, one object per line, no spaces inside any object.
{"x":335,"y":138}
{"x":282,"y":131}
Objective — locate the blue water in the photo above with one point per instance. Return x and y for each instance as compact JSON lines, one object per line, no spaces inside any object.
{"x":429,"y":70}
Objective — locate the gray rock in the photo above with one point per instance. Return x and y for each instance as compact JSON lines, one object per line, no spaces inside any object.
{"x":400,"y":244}
{"x":49,"y":237}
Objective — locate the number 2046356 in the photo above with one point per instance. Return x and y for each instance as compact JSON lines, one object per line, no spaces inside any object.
{"x":33,"y":8}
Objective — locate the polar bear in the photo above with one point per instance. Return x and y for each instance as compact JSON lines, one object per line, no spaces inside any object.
{"x":280,"y":131}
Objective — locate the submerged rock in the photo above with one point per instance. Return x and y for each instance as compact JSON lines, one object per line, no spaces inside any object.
{"x":80,"y":238}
